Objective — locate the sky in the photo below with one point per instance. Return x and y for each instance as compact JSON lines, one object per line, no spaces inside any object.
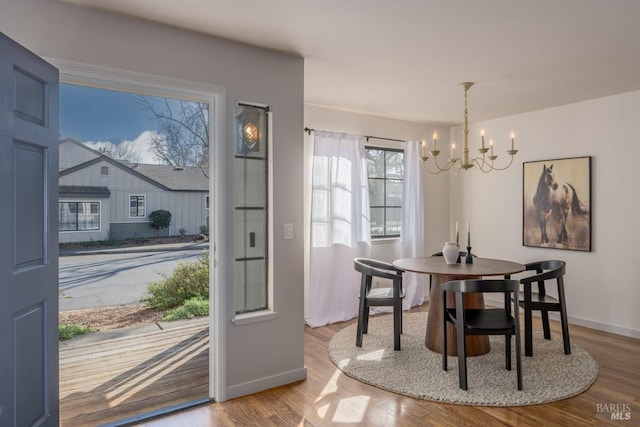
{"x":94,"y":116}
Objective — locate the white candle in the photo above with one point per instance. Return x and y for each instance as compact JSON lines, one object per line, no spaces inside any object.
{"x":482,"y":135}
{"x":491,"y":145}
{"x":435,"y":139}
{"x":453,"y":148}
{"x":512,"y":136}
{"x":423,"y":147}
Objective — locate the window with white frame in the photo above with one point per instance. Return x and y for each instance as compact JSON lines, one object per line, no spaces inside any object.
{"x":136,"y":206}
{"x":385,"y":170}
{"x":79,"y":216}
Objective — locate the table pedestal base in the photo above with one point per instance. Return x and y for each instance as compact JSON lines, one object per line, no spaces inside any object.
{"x":476,"y":344}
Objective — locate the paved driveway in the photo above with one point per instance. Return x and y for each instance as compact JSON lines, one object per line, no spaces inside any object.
{"x":100,"y":280}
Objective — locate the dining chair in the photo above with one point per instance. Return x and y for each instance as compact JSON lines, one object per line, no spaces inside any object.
{"x":529,"y":300}
{"x":379,"y":296}
{"x":481,"y":321}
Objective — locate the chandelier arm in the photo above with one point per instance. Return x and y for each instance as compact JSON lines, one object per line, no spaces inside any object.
{"x":490,"y":166}
{"x":439,"y":169}
{"x":481,"y":166}
{"x":446,"y":167}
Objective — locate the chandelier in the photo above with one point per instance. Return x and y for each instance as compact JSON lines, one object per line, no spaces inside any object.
{"x":484,"y":162}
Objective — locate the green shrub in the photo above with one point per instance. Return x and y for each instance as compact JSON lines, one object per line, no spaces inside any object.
{"x":188,"y":280}
{"x":193,"y":307}
{"x":160,"y":219}
{"x":66,"y":332}
{"x":204,"y":229}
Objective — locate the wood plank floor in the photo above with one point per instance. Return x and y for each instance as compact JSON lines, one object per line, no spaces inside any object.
{"x":110,"y":380}
{"x":328,"y":398}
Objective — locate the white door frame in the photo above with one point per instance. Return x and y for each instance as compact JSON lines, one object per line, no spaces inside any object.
{"x":215,"y":96}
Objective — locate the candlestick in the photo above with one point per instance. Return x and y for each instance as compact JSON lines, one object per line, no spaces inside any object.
{"x":468,"y":233}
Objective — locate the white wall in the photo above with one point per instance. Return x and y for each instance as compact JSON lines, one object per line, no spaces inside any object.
{"x":602,"y":286}
{"x":258,"y":355}
{"x":436,"y":186}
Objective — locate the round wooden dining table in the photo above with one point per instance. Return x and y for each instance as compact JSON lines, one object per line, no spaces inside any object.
{"x":442,"y":273}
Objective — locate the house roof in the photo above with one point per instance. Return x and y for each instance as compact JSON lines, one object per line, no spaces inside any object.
{"x":84,"y":191}
{"x":166,"y":177}
{"x":79,"y":144}
{"x":187,"y":178}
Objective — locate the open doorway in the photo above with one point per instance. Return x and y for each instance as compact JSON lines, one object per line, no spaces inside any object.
{"x":134,"y":206}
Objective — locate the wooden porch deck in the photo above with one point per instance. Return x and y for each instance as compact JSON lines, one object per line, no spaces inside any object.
{"x":105,"y":381}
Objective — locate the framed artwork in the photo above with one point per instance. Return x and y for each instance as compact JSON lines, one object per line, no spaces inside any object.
{"x":556,"y":203}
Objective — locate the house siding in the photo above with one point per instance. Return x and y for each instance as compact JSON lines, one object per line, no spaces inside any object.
{"x":71,"y":153}
{"x":187,"y":207}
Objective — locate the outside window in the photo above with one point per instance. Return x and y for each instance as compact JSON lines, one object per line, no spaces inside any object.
{"x":79,"y":216}
{"x":104,"y":170}
{"x":385,"y":169}
{"x":136,"y":206}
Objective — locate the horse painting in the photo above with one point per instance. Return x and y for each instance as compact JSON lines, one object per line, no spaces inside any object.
{"x":557,"y":200}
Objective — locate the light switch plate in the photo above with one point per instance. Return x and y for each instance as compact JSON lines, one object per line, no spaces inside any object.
{"x":288,"y":231}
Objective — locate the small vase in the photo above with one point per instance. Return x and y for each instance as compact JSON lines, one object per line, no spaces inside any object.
{"x":450,"y":252}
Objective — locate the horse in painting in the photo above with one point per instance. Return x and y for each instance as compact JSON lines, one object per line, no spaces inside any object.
{"x":558,"y":200}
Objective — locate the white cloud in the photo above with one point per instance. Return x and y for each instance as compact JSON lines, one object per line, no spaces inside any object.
{"x":142,"y":146}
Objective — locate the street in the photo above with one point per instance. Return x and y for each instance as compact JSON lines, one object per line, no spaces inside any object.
{"x":89,"y":281}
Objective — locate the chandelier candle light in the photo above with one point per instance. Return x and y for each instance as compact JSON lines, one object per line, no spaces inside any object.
{"x":485,"y":163}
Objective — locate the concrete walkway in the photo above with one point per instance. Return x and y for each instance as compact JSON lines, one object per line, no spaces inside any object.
{"x":140,"y":249}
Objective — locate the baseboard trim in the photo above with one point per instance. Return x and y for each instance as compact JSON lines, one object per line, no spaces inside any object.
{"x":605,"y":327}
{"x":261,"y":384}
{"x":587,"y":323}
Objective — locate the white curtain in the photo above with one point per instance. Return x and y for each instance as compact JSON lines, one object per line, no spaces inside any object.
{"x":340,"y":226}
{"x":413,"y":222}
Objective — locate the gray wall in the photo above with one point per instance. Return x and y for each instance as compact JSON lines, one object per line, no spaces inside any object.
{"x":258,"y":355}
{"x":187,"y":207}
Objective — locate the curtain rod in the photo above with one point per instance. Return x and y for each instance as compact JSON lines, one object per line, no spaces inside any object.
{"x":309,"y":130}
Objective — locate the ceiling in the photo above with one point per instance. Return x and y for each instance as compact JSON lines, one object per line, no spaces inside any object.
{"x":405,"y":59}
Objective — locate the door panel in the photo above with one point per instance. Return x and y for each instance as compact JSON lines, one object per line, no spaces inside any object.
{"x":28,"y":231}
{"x":28,"y":238}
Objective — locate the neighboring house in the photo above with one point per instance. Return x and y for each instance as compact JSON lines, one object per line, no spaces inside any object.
{"x":102,"y":198}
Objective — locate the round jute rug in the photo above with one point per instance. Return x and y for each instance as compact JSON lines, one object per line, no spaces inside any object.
{"x":416,"y":371}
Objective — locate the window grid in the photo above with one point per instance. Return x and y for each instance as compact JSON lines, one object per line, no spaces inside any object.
{"x":79,"y":216}
{"x":385,"y":206}
{"x":136,"y":206}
